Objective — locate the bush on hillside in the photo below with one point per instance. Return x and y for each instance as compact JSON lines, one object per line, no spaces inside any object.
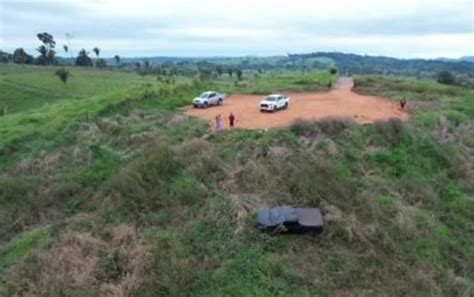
{"x":63,"y":75}
{"x":302,"y":127}
{"x":330,"y":126}
{"x":101,"y":63}
{"x":445,"y":77}
{"x":333,"y":125}
{"x":315,"y":181}
{"x":83,"y":59}
{"x":390,"y":130}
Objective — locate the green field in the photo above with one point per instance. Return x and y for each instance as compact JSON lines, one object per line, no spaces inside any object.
{"x":27,"y":87}
{"x":106,"y":188}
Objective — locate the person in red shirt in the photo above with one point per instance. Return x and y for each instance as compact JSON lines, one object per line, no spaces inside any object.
{"x":403,"y":102}
{"x":231,"y":120}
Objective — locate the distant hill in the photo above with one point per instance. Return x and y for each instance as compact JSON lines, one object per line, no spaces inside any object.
{"x":467,"y":58}
{"x":358,"y":64}
{"x":464,"y":58}
{"x":346,"y":63}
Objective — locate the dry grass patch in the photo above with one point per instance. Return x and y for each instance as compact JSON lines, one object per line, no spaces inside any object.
{"x":84,"y":265}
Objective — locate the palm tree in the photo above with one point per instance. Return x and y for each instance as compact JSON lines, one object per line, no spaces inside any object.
{"x":96,"y":50}
{"x":117,"y":59}
{"x":66,"y":49}
{"x":69,"y":48}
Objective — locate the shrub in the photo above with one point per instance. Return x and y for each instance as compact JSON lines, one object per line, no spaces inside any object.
{"x":445,"y":77}
{"x":101,"y":63}
{"x":16,"y":249}
{"x":63,"y":75}
{"x":333,"y":125}
{"x":83,"y":265}
{"x":173,"y":269}
{"x":455,"y":116}
{"x":317,"y":181}
{"x":333,"y":71}
{"x":201,"y":159}
{"x":144,"y":185}
{"x":188,"y":191}
{"x":391,"y":130}
{"x":109,"y":264}
{"x":303,"y":127}
{"x":396,"y":161}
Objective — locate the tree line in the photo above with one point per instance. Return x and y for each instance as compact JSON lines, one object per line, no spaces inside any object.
{"x":47,"y":55}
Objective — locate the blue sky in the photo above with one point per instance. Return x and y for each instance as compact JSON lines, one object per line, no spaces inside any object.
{"x":407,"y":29}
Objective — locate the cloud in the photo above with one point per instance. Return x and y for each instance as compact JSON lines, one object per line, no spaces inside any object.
{"x":212,"y":27}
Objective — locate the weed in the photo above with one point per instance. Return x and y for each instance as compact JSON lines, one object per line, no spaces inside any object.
{"x":17,"y":248}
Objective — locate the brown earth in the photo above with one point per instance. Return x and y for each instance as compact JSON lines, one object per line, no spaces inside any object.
{"x":341,"y":101}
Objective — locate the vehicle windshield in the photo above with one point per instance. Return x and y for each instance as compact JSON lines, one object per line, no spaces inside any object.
{"x":271,"y":98}
{"x":204,"y":95}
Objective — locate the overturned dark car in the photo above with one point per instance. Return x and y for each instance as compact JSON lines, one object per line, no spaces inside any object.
{"x":289,"y":219}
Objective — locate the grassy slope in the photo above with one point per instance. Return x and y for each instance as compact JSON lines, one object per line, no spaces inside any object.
{"x":25,"y":87}
{"x":138,"y":190}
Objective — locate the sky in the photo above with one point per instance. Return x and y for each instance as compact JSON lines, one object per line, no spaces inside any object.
{"x":401,"y":28}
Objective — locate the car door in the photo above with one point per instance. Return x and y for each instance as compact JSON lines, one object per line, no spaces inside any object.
{"x":212,"y":98}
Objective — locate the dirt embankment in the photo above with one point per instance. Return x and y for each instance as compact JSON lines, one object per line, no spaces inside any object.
{"x":339,"y":102}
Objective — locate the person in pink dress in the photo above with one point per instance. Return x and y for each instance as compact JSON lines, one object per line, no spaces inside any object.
{"x":218,"y":123}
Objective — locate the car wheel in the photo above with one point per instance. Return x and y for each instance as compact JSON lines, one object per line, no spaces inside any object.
{"x":219,"y":102}
{"x":274,"y":108}
{"x":206,"y":105}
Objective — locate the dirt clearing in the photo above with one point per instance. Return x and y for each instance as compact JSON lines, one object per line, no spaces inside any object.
{"x":339,"y":102}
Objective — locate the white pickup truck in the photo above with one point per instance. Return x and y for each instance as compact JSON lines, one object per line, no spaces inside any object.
{"x":274,"y":102}
{"x":208,"y":98}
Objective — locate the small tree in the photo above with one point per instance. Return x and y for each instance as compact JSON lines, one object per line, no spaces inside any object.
{"x":219,"y":70}
{"x":117,"y":59}
{"x":63,"y":75}
{"x":47,"y":49}
{"x":21,"y":57}
{"x":101,"y":63}
{"x":83,"y":59}
{"x":5,"y":57}
{"x":96,"y":50}
{"x":445,"y":77}
{"x":230,"y":71}
{"x":333,"y":71}
{"x":239,"y":74}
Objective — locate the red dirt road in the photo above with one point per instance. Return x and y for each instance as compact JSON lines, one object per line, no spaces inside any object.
{"x":339,"y":102}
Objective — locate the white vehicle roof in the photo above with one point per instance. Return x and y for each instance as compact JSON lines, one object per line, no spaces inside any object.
{"x":275,"y":96}
{"x":206,"y":94}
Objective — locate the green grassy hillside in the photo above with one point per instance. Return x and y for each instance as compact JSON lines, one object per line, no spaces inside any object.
{"x":26,"y":87}
{"x":119,"y":193}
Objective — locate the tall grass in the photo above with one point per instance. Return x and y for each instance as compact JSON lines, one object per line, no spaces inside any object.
{"x":142,"y":201}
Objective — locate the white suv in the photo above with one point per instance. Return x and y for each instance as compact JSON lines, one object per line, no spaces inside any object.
{"x":274,"y":102}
